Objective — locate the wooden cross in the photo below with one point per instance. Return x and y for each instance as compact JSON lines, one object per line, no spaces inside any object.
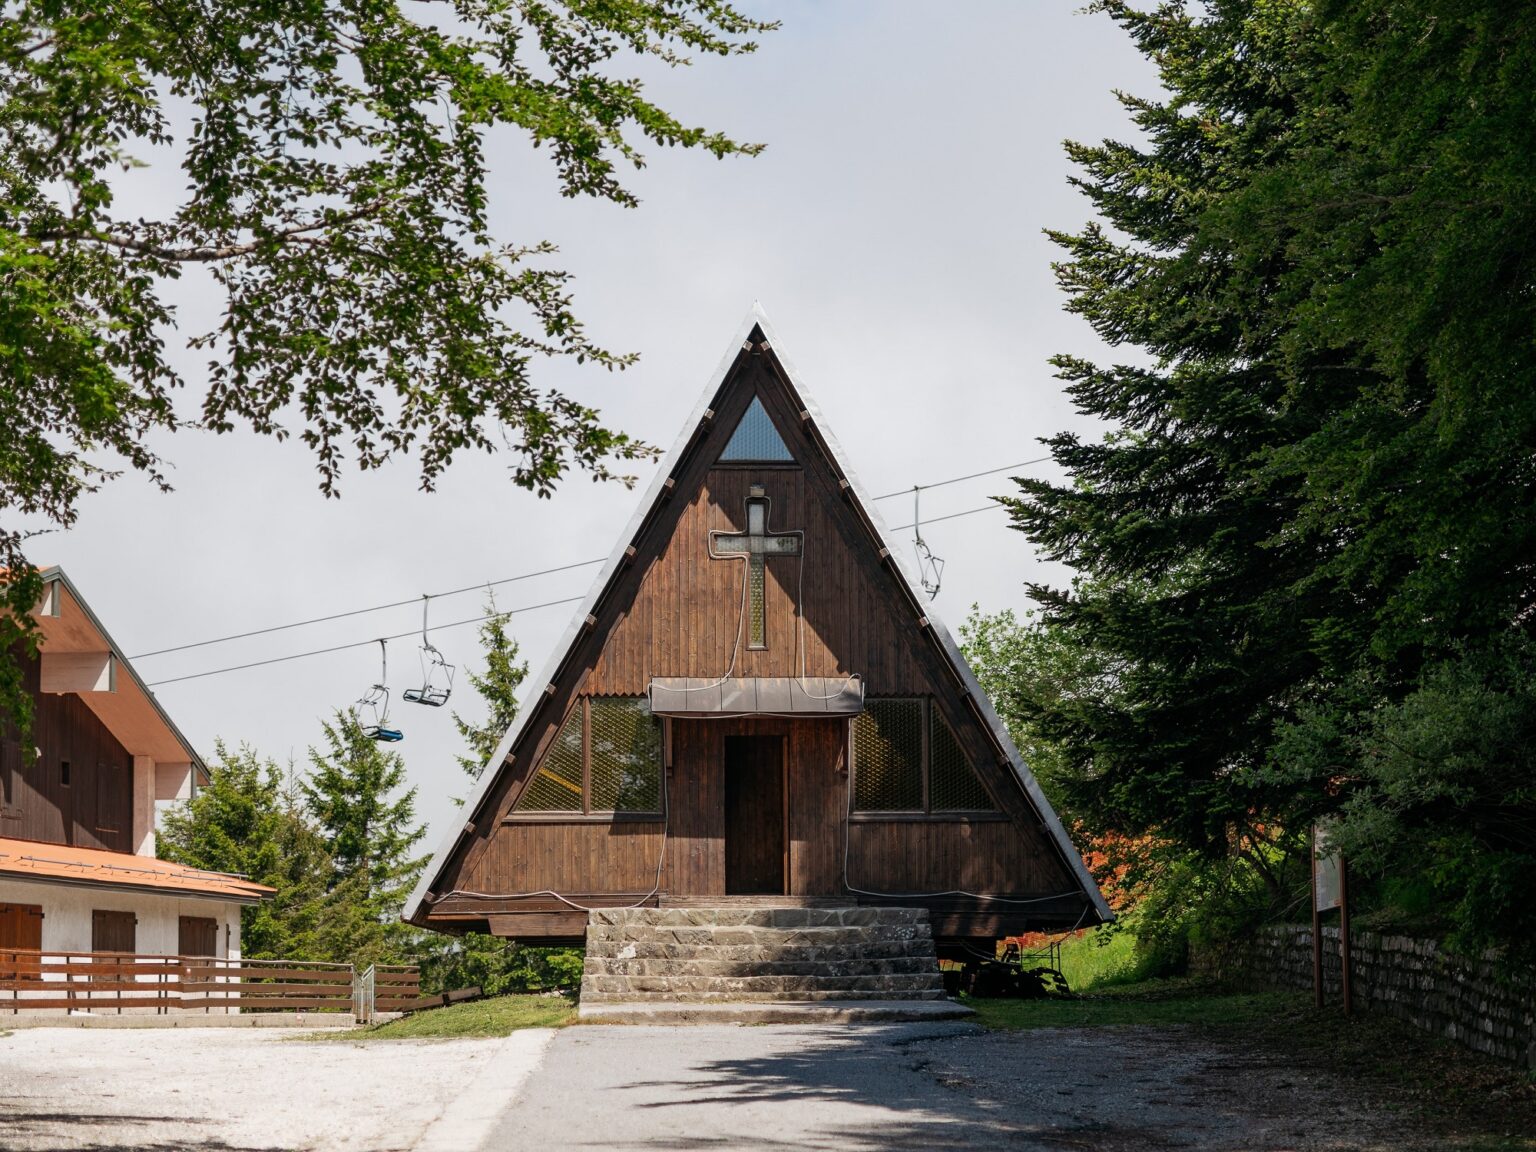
{"x":755,"y":545}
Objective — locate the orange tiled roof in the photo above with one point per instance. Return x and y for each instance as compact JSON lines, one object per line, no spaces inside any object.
{"x":31,"y":860}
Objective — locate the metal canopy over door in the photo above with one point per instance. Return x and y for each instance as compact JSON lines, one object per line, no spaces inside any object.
{"x":754,"y":815}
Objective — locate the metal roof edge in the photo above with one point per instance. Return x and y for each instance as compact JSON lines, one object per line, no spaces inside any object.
{"x":57,"y":573}
{"x":251,"y":898}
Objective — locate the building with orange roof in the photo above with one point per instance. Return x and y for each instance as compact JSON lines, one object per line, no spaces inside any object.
{"x":78,"y":870}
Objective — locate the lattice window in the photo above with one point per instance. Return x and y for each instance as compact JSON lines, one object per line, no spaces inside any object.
{"x":756,"y":439}
{"x":907,"y":759}
{"x":952,"y":782}
{"x":556,"y":786}
{"x":626,"y":755}
{"x":888,"y":756}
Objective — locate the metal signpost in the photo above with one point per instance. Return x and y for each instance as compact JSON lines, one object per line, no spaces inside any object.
{"x":1330,"y":889}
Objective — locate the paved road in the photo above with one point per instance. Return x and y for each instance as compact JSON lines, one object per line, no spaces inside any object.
{"x":931,"y":1086}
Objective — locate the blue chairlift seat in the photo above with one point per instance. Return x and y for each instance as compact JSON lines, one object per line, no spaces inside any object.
{"x":384,"y":735}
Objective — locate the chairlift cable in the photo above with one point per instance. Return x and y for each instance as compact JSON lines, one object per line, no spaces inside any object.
{"x":523,"y":576}
{"x":358,"y":643}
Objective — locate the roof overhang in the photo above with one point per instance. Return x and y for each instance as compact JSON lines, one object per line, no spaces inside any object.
{"x":79,"y":656}
{"x":803,"y":697}
{"x":117,"y":871}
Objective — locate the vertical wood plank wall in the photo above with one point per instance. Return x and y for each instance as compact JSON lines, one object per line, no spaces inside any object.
{"x":95,"y":810}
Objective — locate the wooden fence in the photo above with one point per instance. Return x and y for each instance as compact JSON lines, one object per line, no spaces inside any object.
{"x":118,"y":981}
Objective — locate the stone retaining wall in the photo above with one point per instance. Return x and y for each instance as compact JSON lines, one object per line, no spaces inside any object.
{"x":1464,"y":1001}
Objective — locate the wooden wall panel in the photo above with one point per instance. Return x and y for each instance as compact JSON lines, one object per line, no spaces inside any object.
{"x":818,"y":796}
{"x":95,"y":810}
{"x":849,"y":626}
{"x":576,"y":857}
{"x":987,"y":857}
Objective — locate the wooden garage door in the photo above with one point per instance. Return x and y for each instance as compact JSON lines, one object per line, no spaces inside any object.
{"x":198,"y":936}
{"x":112,"y":931}
{"x":21,"y":926}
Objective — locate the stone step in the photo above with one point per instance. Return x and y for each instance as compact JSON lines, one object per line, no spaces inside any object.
{"x":917,"y":948}
{"x":770,"y":1012}
{"x":762,"y":997}
{"x":599,"y":942}
{"x":779,"y":966}
{"x":645,"y":985}
{"x":851,"y":917}
{"x":705,"y":955}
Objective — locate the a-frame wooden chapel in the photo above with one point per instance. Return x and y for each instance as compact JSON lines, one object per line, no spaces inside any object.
{"x":754,"y":702}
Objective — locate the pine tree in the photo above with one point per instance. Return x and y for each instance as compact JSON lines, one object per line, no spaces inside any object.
{"x":503,"y":677}
{"x":245,"y":821}
{"x":1311,"y":522}
{"x":368,"y":825}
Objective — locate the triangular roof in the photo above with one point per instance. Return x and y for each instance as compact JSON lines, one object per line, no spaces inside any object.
{"x":757,"y":324}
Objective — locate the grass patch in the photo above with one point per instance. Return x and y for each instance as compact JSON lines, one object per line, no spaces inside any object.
{"x":1151,"y":1003}
{"x":1092,"y":960}
{"x":494,"y":1016}
{"x":1476,"y":1102}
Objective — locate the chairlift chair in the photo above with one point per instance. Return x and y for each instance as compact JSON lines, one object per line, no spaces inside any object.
{"x":930,"y":568}
{"x":436,"y":672}
{"x":376,"y":701}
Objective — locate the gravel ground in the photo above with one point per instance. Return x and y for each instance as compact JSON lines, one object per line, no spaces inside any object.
{"x":237,"y":1089}
{"x":924,"y":1087}
{"x":914,"y":1086}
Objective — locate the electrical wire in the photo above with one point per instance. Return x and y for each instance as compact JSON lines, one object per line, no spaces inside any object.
{"x":531,"y":575}
{"x":951,"y":516}
{"x":360,"y":643}
{"x":365,"y":611}
{"x":968,"y":476}
{"x":471,"y":620}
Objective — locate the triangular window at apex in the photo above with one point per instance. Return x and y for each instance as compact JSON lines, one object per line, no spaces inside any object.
{"x":756,"y":440}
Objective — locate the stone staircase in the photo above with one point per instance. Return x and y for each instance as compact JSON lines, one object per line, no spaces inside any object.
{"x":687,"y":958}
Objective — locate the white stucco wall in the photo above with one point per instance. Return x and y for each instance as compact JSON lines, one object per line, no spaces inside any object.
{"x":67,"y":912}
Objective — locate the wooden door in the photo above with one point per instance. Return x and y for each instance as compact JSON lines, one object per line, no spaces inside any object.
{"x":754,"y":815}
{"x":113,"y":931}
{"x":198,"y":936}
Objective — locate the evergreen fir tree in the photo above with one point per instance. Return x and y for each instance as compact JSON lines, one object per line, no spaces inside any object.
{"x":368,"y":825}
{"x":1311,"y":521}
{"x":498,"y":688}
{"x":245,"y":821}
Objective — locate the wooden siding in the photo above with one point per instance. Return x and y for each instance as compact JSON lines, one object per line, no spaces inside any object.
{"x":95,"y":809}
{"x":579,"y":855}
{"x":986,"y":856}
{"x":686,"y":611}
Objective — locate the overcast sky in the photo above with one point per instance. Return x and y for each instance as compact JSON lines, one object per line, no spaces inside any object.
{"x":893,"y":232}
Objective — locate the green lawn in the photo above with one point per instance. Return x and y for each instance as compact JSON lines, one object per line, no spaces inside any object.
{"x":495,"y":1016}
{"x":1157,"y":1003}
